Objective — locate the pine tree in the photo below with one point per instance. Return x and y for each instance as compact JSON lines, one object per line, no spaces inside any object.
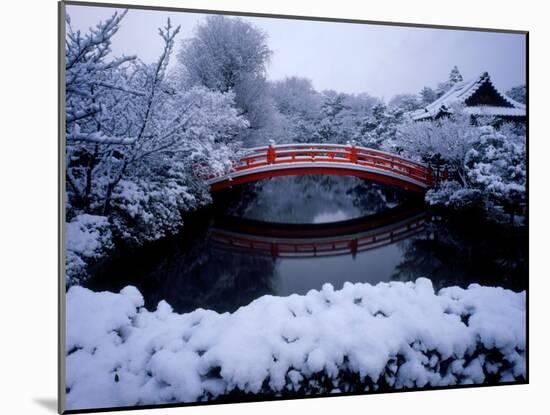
{"x":455,"y":76}
{"x":518,"y":93}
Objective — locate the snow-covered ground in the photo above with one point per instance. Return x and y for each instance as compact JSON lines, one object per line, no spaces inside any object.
{"x":360,"y":338}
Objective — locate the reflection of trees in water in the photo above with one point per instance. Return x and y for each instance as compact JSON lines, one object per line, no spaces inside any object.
{"x":189,"y":271}
{"x":462,"y":251}
{"x":373,"y":198}
{"x":300,"y":199}
{"x":188,"y":274}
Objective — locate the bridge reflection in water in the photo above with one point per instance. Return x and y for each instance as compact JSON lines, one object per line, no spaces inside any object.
{"x":222,"y":263}
{"x":290,"y":240}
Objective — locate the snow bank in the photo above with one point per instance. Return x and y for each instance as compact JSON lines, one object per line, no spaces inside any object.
{"x":360,"y":338}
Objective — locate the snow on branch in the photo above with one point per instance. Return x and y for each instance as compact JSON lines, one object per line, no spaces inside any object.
{"x":95,"y":45}
{"x":121,"y":88}
{"x":168,"y":35}
{"x":73,"y":115}
{"x":99,"y":138}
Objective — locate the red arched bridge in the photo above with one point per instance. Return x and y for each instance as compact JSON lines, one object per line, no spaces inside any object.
{"x":280,"y":240}
{"x":349,"y":160}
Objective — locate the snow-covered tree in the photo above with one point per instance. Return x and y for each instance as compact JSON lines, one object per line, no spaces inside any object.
{"x":379,"y":128}
{"x":297,"y":109}
{"x":443,"y":141}
{"x":89,"y":77}
{"x":138,"y":147}
{"x":427,"y":95}
{"x":343,"y":116}
{"x":454,"y":77}
{"x":229,"y":54}
{"x":406,"y":102}
{"x":125,"y":124}
{"x":331,"y":127}
{"x":296,"y":97}
{"x":518,"y":93}
{"x":486,"y":168}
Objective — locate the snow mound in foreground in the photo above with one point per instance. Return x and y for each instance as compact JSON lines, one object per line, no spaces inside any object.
{"x":360,"y":338}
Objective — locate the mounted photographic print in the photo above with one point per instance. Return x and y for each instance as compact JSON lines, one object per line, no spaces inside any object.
{"x":260,"y":207}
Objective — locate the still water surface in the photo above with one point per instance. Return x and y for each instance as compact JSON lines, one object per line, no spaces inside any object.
{"x":292,"y":234}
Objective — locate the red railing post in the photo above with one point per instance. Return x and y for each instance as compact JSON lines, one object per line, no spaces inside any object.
{"x":354,"y":245}
{"x":430,"y":176}
{"x":353,"y":152}
{"x":271,"y":152}
{"x":274,"y":250}
{"x":445,"y":176}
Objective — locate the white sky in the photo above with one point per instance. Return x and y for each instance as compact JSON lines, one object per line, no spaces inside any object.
{"x":377,"y":59}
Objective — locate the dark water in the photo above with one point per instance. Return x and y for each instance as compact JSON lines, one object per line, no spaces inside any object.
{"x":293,"y":234}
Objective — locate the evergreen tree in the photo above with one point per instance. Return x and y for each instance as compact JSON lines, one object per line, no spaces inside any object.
{"x":379,"y":129}
{"x":518,"y":93}
{"x":427,"y":95}
{"x":331,"y":126}
{"x":406,"y":102}
{"x":455,"y":76}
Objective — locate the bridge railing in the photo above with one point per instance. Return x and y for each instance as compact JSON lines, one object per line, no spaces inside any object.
{"x":334,"y":153}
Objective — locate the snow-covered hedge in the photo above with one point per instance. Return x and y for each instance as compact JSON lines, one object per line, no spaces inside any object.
{"x":360,"y":338}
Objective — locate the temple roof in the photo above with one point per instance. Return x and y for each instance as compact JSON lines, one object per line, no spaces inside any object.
{"x":479,"y":96}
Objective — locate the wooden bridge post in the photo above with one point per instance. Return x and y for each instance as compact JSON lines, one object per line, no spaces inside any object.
{"x":274,"y":250}
{"x":445,"y":175}
{"x":354,"y":247}
{"x":271,"y":152}
{"x":353,"y":152}
{"x":430,"y":176}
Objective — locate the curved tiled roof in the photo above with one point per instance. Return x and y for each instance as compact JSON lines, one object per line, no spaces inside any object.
{"x":460,"y":92}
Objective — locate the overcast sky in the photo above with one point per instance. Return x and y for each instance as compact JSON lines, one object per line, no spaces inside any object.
{"x":380,"y":60}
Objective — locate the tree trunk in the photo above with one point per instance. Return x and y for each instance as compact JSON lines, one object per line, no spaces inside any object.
{"x":111,"y":186}
{"x":89,"y":176}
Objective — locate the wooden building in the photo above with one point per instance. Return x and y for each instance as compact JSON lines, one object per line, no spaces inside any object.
{"x":479,"y":97}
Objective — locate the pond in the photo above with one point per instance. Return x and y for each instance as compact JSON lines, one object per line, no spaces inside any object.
{"x":292,"y":234}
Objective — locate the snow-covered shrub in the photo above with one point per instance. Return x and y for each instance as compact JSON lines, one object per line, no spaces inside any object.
{"x":494,"y":177}
{"x":88,"y":238}
{"x":453,"y":195}
{"x":145,"y":209}
{"x":361,"y":338}
{"x":496,"y":165}
{"x":487,"y":167}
